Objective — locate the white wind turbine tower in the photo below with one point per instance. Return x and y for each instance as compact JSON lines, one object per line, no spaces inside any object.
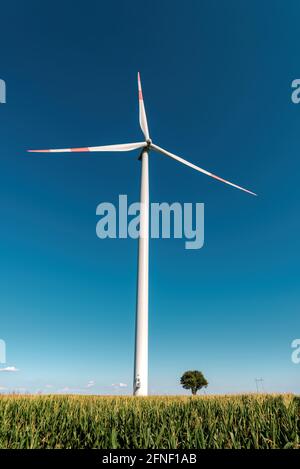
{"x":140,"y":382}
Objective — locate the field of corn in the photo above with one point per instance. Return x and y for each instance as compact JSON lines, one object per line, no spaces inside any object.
{"x":243,"y":421}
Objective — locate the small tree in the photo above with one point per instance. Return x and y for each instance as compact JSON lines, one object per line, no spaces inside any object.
{"x":193,"y":380}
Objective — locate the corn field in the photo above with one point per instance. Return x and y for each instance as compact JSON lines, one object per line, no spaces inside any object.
{"x":243,"y":421}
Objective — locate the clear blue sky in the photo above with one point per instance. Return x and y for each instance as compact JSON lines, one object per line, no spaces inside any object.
{"x":217,"y":84}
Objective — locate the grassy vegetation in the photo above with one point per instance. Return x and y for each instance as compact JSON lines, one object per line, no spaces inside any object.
{"x":245,"y":421}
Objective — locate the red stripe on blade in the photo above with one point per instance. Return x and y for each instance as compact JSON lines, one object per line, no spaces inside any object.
{"x":80,"y":149}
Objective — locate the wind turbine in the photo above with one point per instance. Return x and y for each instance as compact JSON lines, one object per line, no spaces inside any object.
{"x":140,"y":382}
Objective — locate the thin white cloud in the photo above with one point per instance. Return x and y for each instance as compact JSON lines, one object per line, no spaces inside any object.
{"x":76,"y":390}
{"x":69,"y":390}
{"x":90,"y":384}
{"x":120,"y":385}
{"x":10,"y":369}
{"x":49,"y":386}
{"x":65,"y":389}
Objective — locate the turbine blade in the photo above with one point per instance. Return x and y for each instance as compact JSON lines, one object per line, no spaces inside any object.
{"x":197,"y":168}
{"x":120,"y":147}
{"x":142,"y":112}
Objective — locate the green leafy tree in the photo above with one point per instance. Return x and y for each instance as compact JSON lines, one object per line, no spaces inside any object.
{"x":193,"y":380}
